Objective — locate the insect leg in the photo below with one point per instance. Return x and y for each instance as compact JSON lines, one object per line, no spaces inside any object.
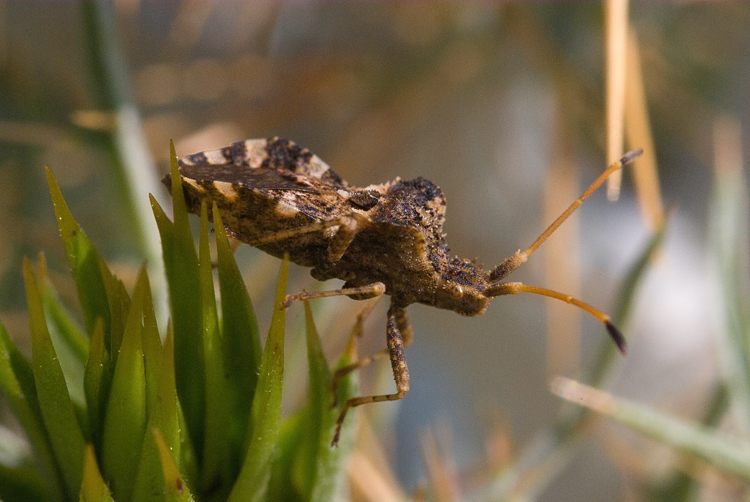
{"x":348,"y":228}
{"x":361,"y":292}
{"x":356,"y":333}
{"x":398,"y":364}
{"x":404,"y":325}
{"x":407,"y":335}
{"x":293,"y":232}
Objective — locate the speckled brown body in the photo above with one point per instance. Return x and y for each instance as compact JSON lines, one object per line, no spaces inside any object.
{"x":399,"y":237}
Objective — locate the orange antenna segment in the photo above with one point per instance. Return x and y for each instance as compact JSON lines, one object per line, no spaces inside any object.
{"x":520,"y":257}
{"x":514,"y":288}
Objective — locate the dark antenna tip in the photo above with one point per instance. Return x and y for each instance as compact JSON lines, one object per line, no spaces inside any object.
{"x":618,"y":338}
{"x":631,"y":156}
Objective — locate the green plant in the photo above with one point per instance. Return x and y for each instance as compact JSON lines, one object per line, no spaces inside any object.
{"x":115,"y":411}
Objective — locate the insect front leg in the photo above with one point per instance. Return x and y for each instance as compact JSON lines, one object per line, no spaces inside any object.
{"x":395,"y":350}
{"x":344,"y":236}
{"x":348,"y":228}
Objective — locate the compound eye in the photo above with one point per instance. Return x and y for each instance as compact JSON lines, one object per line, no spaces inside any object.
{"x":453,"y":289}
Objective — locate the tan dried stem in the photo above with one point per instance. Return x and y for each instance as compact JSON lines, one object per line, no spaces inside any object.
{"x":616,"y":12}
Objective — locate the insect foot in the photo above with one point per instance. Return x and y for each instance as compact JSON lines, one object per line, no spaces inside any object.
{"x":381,"y":239}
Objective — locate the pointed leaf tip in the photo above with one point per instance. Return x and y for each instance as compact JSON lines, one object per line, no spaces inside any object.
{"x":617,"y":337}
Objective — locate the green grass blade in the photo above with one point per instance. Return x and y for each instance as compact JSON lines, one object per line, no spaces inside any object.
{"x":729,"y":454}
{"x":71,"y":346}
{"x":252,"y":482}
{"x":635,"y":274}
{"x":125,"y":418}
{"x":97,"y":381}
{"x":56,"y":407}
{"x":18,"y":385}
{"x":326,"y":464}
{"x":626,"y":294}
{"x":152,"y":348}
{"x":83,"y":260}
{"x":216,"y":469}
{"x":119,"y":306}
{"x":174,"y":485}
{"x":93,"y":487}
{"x":69,"y":334}
{"x":729,"y":237}
{"x":285,"y":475}
{"x":149,"y":484}
{"x":240,"y":339}
{"x":181,"y":266}
{"x":681,"y":485}
{"x":132,"y":168}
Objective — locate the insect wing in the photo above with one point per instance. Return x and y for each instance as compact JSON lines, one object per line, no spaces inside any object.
{"x":252,"y":178}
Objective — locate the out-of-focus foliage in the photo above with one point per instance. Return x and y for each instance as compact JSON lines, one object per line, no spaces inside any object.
{"x":481,"y":98}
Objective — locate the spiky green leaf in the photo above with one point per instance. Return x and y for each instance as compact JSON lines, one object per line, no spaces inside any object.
{"x":240,"y":339}
{"x":252,"y":482}
{"x":83,"y":260}
{"x":60,"y":420}
{"x":174,"y":485}
{"x":93,"y":487}
{"x":326,"y":462}
{"x":164,"y":417}
{"x":97,"y":380}
{"x":18,"y":386}
{"x":181,"y":267}
{"x":216,"y":470}
{"x":125,"y":418}
{"x":152,"y":348}
{"x":22,"y":482}
{"x":119,"y":306}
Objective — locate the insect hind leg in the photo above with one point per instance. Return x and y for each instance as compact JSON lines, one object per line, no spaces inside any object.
{"x":407,"y":335}
{"x":395,"y":351}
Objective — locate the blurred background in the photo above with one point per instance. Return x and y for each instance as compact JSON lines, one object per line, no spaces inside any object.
{"x":501,"y":105}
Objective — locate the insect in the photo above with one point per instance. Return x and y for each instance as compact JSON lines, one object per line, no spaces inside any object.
{"x":381,"y":239}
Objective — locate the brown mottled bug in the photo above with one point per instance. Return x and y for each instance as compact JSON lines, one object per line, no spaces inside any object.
{"x":381,"y":239}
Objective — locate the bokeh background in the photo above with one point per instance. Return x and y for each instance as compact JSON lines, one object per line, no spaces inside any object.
{"x":501,"y":105}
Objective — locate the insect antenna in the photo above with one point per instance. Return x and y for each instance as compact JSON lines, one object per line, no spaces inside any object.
{"x":520,"y":257}
{"x":513,"y":288}
{"x":497,"y":288}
